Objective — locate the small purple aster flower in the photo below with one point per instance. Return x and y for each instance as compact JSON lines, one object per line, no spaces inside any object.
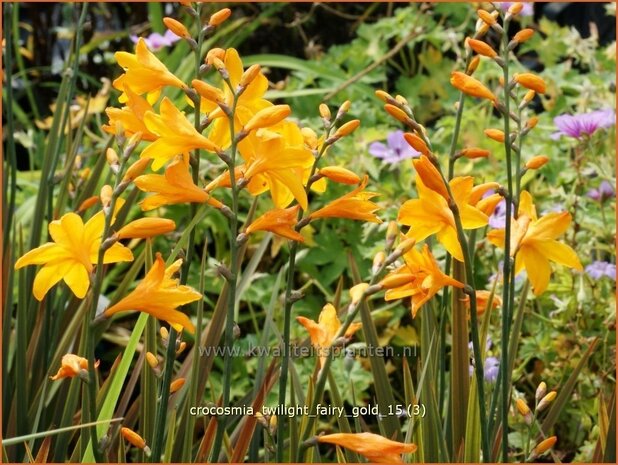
{"x":602,"y":193}
{"x":490,"y":369}
{"x":527,"y":10}
{"x":582,"y":124}
{"x":156,"y":41}
{"x":598,"y":269}
{"x":497,"y":219}
{"x":395,"y":150}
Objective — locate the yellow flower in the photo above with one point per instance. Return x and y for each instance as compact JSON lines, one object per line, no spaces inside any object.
{"x":277,"y":160}
{"x":158,"y":294}
{"x":324,"y":331}
{"x":374,"y":447}
{"x":419,"y":278}
{"x":279,"y":221}
{"x":130,"y":117}
{"x":72,"y":365}
{"x":176,"y":135}
{"x":144,"y":72}
{"x":249,"y":102}
{"x":176,"y":186}
{"x":534,"y":244}
{"x":72,"y":254}
{"x":430,"y":213}
{"x":355,"y":205}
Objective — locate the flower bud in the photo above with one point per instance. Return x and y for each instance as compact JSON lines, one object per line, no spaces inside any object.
{"x":396,"y":113}
{"x":112,"y":157}
{"x":164,"y":333}
{"x":339,"y":174}
{"x":515,"y":8}
{"x":268,"y":116}
{"x":471,"y":86}
{"x":541,"y":390}
{"x":474,"y":64}
{"x":219,"y":17}
{"x":136,"y":169}
{"x":86,"y":204}
{"x":324,"y":111}
{"x":357,"y":292}
{"x":536,"y":162}
{"x":401,"y":100}
{"x":392,"y":231}
{"x":495,"y":134}
{"x":474,"y":152}
{"x":176,"y":27}
{"x":210,"y":93}
{"x":416,"y":143}
{"x":523,"y":35}
{"x":532,"y":122}
{"x":214,"y":53}
{"x":152,"y":360}
{"x":144,"y":228}
{"x":106,"y":195}
{"x":310,"y":138}
{"x":347,"y":128}
{"x":546,"y":400}
{"x":135,"y":439}
{"x":395,"y":280}
{"x":378,"y":261}
{"x":481,"y":48}
{"x":176,"y":385}
{"x":384,"y":96}
{"x":543,"y":446}
{"x":487,"y":17}
{"x":249,"y":75}
{"x":343,"y":109}
{"x":405,"y":245}
{"x":530,"y":81}
{"x":524,"y":410}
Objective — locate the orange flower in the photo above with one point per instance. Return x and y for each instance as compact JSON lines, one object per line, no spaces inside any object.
{"x":420,"y":278}
{"x":355,"y":205}
{"x":534,"y":243}
{"x":130,"y":117}
{"x":482,"y":301}
{"x":146,"y":227}
{"x":471,"y":86}
{"x":431,"y":214}
{"x":144,"y":72}
{"x":176,"y":186}
{"x":72,"y":254}
{"x":158,"y":294}
{"x":530,"y":81}
{"x":72,"y":365}
{"x":374,"y":447}
{"x":324,"y":331}
{"x":279,"y":221}
{"x":176,"y":135}
{"x":249,"y":103}
{"x":276,"y":159}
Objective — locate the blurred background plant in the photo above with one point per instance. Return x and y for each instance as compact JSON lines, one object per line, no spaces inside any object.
{"x":53,"y":110}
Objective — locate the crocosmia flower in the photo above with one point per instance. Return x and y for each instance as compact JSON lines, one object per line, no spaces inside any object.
{"x":72,"y":254}
{"x":395,"y":150}
{"x":583,"y":124}
{"x":374,"y":447}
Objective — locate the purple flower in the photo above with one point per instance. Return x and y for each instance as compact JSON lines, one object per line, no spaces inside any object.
{"x":582,"y":124}
{"x":395,"y":150}
{"x":490,"y":369}
{"x":598,"y":269}
{"x":605,"y":191}
{"x":497,"y":219}
{"x":156,"y":41}
{"x":527,"y":10}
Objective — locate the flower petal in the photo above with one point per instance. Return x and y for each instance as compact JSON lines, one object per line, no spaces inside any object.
{"x":561,"y":253}
{"x":537,"y":267}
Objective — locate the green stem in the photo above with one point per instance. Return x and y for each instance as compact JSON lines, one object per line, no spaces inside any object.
{"x":287,"y":323}
{"x":234,"y":270}
{"x":159,"y":429}
{"x":506,"y":269}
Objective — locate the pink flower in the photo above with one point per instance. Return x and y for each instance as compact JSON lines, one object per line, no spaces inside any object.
{"x":156,"y":41}
{"x":582,"y":124}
